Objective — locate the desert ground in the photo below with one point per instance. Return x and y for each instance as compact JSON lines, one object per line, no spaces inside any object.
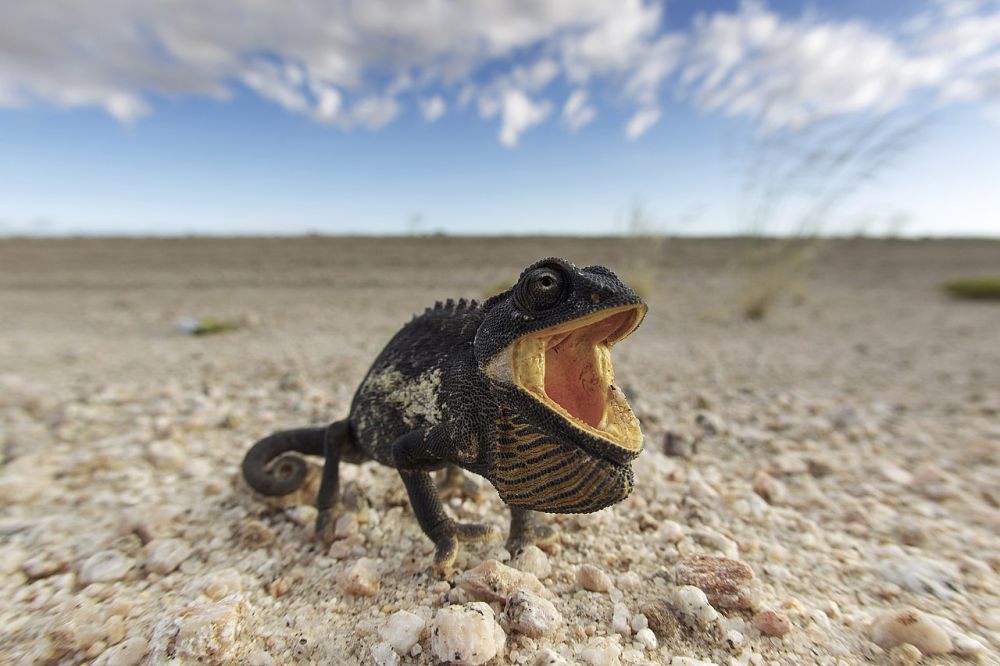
{"x":821,"y":486}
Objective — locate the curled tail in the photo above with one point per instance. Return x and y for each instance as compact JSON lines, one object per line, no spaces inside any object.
{"x":271,"y":467}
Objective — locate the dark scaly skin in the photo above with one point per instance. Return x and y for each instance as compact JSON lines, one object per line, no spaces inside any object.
{"x":427,"y":402}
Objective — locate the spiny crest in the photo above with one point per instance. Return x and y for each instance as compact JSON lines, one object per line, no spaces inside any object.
{"x":451,"y":306}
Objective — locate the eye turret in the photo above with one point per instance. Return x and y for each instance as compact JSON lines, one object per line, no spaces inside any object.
{"x":541,"y":289}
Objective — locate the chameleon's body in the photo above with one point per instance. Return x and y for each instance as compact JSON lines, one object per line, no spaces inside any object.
{"x":518,"y":389}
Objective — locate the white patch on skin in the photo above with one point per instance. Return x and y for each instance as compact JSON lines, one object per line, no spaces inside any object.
{"x":498,"y":367}
{"x":416,"y":399}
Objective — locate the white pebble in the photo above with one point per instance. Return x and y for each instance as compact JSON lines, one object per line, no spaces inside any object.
{"x":922,"y":575}
{"x":402,"y":631}
{"x":127,"y":653}
{"x":165,"y":555}
{"x":602,"y":651}
{"x":619,"y":620}
{"x":529,"y":614}
{"x":492,"y":581}
{"x":593,"y":579}
{"x":106,"y":566}
{"x":549,"y":657}
{"x":647,"y":638}
{"x":533,"y":560}
{"x":639,"y":622}
{"x":693,"y":607}
{"x":466,"y":635}
{"x":361,"y":578}
{"x":384,"y":655}
{"x":909,"y":625}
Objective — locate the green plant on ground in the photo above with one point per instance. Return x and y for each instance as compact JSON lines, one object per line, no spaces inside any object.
{"x":980,"y":288}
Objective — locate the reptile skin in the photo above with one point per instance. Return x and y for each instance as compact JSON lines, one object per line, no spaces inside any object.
{"x":518,"y":389}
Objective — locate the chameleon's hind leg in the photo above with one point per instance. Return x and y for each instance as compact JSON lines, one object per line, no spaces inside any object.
{"x":328,"y":502}
{"x":442,"y":530}
{"x":525,"y":530}
{"x":456,"y":484}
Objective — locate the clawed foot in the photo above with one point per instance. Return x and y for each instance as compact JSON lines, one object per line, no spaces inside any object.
{"x":451,"y":534}
{"x":525,"y":530}
{"x":456,"y":484}
{"x":326,"y":523}
{"x":538,"y":535}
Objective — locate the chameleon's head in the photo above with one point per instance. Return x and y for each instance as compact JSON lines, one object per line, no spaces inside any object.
{"x":549,"y":338}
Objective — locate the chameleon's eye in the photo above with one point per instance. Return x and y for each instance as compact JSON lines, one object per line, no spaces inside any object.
{"x":540,"y":289}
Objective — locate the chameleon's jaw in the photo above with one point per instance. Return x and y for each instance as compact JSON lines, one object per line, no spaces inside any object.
{"x":568,"y":369}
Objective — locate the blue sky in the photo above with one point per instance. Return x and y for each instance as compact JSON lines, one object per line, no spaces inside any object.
{"x":241,"y":117}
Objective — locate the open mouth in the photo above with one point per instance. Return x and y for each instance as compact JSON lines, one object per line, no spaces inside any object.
{"x":568,"y":369}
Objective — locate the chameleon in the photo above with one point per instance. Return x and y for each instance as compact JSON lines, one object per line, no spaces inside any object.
{"x":518,"y":389}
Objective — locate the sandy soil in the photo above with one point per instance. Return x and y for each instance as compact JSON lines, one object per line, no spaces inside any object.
{"x":846,"y":449}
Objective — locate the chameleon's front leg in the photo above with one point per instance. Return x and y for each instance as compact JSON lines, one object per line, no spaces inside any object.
{"x":414,"y":454}
{"x":525,"y":530}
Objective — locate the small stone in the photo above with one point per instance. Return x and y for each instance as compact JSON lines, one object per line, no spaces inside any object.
{"x":602,"y":651}
{"x":968,"y":647}
{"x":895,"y":474}
{"x":127,"y":653}
{"x":383,"y":655}
{"x":43,"y":565}
{"x":647,"y":638}
{"x":922,"y":575}
{"x":735,"y":640}
{"x":221,"y":584}
{"x":711,"y":539}
{"x":593,"y":579}
{"x":772,"y":623}
{"x":533,"y":560}
{"x":302,"y":515}
{"x":165,"y":555}
{"x":549,"y":657}
{"x":532,"y":615}
{"x":12,"y":558}
{"x":769,"y":488}
{"x":346,"y":526}
{"x":690,"y":661}
{"x":113,"y":629}
{"x":905,"y":655}
{"x":620,"y":620}
{"x":671,"y":531}
{"x":661,"y":618}
{"x":361,"y":578}
{"x":255,"y":534}
{"x":492,"y":581}
{"x":693,"y":606}
{"x":210,"y":630}
{"x":629,"y":581}
{"x":710,"y":423}
{"x":402,"y":631}
{"x":466,"y":634}
{"x":677,"y":445}
{"x":727,"y":582}
{"x":908,"y":625}
{"x":106,"y":566}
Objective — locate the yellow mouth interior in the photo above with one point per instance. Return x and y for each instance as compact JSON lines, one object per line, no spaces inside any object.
{"x":568,"y":368}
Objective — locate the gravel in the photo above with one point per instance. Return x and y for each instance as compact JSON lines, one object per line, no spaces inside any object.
{"x":844,"y":450}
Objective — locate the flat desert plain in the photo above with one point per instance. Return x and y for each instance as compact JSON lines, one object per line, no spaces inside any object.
{"x":821,"y":486}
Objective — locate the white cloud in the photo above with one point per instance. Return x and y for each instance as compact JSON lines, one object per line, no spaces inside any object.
{"x":374,"y":112}
{"x":433,"y":108}
{"x":518,"y":113}
{"x":576,"y":112}
{"x":356,"y":62}
{"x":640,"y":122}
